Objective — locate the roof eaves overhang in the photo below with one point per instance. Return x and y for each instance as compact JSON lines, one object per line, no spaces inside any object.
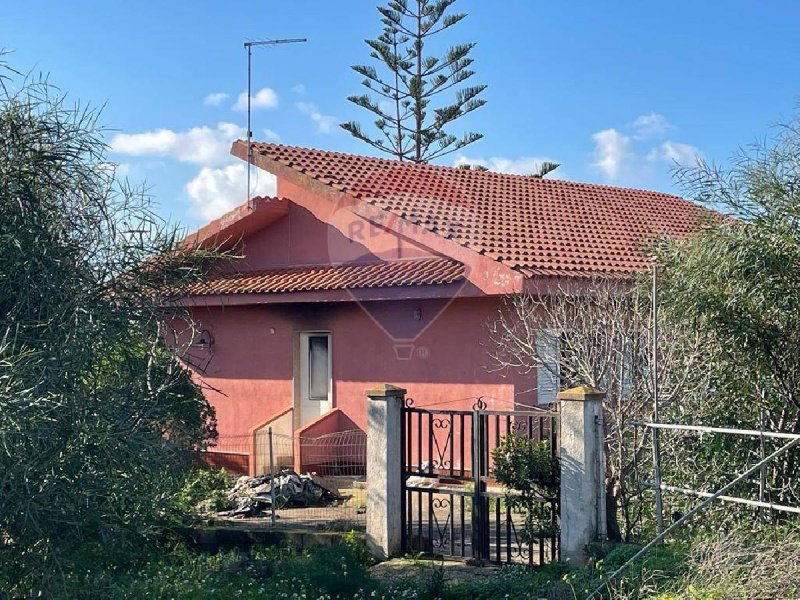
{"x":572,"y":284}
{"x":226,"y":231}
{"x":393,"y":293}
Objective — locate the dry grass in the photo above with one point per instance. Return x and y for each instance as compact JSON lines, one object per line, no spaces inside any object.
{"x":744,"y":564}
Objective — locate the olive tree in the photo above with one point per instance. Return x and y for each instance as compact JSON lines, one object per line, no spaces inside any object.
{"x":97,"y":415}
{"x":738,"y":283}
{"x":600,"y":334}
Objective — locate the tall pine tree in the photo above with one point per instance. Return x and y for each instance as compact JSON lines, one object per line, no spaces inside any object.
{"x":407,"y":80}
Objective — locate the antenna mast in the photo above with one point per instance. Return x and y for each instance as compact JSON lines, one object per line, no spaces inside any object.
{"x":249,"y":47}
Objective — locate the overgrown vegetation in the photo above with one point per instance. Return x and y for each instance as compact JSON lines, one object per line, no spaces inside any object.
{"x":204,"y":489}
{"x":738,"y":284}
{"x":530,"y":475}
{"x":743,"y":564}
{"x":97,"y":416}
{"x":603,"y":338}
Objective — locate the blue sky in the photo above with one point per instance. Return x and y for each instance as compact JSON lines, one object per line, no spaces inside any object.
{"x":615,"y":91}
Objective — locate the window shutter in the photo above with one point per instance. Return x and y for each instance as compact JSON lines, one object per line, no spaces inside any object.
{"x":627,"y":371}
{"x":547,"y":374}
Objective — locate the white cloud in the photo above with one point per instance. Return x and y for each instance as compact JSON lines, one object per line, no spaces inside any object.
{"x":263,"y":98}
{"x":215,"y":99}
{"x":198,"y":145}
{"x":299,"y":89}
{"x":325,"y":123}
{"x":221,"y":181}
{"x":612,"y":153}
{"x":524,"y":165}
{"x":214,"y":191}
{"x":271,"y":136}
{"x":675,"y":153}
{"x":633,"y":157}
{"x":159,"y":141}
{"x":650,"y":126}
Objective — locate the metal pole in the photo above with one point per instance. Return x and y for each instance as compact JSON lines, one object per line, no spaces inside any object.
{"x":762,"y":477}
{"x":660,"y":537}
{"x":602,"y":514}
{"x":760,"y":504}
{"x":656,"y":440}
{"x":249,"y":132}
{"x":249,"y":47}
{"x":778,"y":435}
{"x":477,"y":513}
{"x":271,"y":477}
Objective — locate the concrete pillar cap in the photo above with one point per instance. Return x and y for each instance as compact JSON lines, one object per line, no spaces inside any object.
{"x":386,"y":390}
{"x":582,"y":392}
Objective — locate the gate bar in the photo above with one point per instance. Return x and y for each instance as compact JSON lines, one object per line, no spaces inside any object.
{"x":521,"y":413}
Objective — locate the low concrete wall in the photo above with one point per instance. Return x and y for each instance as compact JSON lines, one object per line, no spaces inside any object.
{"x":282,"y":446}
{"x":213,"y":538}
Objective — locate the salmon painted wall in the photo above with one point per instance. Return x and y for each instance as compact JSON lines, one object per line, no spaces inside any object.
{"x":253,"y":369}
{"x":300,"y":238}
{"x":436,"y":348}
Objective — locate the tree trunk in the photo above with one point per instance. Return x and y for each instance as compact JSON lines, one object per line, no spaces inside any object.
{"x":612,"y":526}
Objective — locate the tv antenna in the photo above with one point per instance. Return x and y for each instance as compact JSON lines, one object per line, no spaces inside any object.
{"x":249,"y":47}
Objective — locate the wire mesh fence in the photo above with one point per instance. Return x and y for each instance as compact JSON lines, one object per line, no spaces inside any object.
{"x":304,"y":481}
{"x":231,"y":452}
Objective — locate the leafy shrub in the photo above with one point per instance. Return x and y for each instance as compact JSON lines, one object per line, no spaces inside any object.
{"x":356,"y":544}
{"x":208,"y":486}
{"x":527,"y":467}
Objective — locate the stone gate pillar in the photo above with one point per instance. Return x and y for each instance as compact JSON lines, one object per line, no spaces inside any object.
{"x":582,"y":458}
{"x":384,"y":470}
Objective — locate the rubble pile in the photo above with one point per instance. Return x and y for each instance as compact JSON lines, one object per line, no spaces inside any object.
{"x":253,"y":495}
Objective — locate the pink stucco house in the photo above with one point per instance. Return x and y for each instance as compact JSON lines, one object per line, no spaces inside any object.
{"x":364,"y":270}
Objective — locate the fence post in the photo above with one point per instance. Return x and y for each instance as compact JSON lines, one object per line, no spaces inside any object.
{"x":271,"y":478}
{"x":581,"y":442}
{"x":384,"y":470}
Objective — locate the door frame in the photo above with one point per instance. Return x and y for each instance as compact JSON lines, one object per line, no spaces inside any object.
{"x":302,"y":380}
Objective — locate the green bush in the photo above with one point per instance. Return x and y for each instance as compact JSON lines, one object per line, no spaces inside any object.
{"x":208,"y":486}
{"x":530,"y":474}
{"x":356,"y":544}
{"x":98,"y":416}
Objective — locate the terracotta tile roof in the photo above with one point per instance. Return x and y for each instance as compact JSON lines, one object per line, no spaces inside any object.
{"x":537,"y":226}
{"x":422,"y":271}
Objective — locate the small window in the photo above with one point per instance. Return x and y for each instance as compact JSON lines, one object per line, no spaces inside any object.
{"x":318,"y":367}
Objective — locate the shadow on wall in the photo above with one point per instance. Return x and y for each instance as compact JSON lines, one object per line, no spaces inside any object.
{"x":258,"y":342}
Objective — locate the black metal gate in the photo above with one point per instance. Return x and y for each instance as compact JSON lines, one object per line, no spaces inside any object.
{"x":451,"y":504}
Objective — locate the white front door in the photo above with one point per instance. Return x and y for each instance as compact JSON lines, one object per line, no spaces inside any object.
{"x":316,"y":387}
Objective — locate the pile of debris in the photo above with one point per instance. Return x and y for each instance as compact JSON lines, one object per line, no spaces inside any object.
{"x":254,"y":495}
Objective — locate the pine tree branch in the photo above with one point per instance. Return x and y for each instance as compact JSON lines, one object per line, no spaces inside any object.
{"x":355,"y":130}
{"x":411,"y":132}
